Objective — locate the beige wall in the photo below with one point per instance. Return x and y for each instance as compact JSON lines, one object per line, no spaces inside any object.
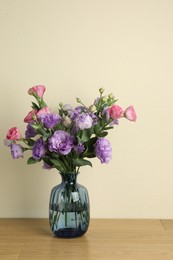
{"x":74,"y":48}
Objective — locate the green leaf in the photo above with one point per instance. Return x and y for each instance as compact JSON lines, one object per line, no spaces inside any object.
{"x":55,"y":155}
{"x":89,"y":152}
{"x":31,"y":160}
{"x":35,"y":106}
{"x":58,"y":164}
{"x":42,"y":132}
{"x":103,"y":134}
{"x":103,"y":121}
{"x":46,"y":136}
{"x":97,"y":128}
{"x":84,"y":135}
{"x":81,"y":162}
{"x":30,"y":142}
{"x":108,"y":127}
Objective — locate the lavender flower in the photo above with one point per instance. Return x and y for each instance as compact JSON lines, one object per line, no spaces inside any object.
{"x":7,"y":142}
{"x":69,"y":110}
{"x":79,"y":148}
{"x":39,"y":149}
{"x":103,"y":150}
{"x":66,"y":121}
{"x":83,"y":121}
{"x":67,"y":107}
{"x":61,"y":142}
{"x":16,"y":150}
{"x":73,"y":113}
{"x":50,"y":120}
{"x":94,"y":118}
{"x":105,"y":112}
{"x":46,"y":166}
{"x":30,"y":131}
{"x":114,"y":122}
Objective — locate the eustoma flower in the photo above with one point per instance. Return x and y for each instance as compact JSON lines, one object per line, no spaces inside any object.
{"x":66,"y":138}
{"x":30,"y":131}
{"x":79,"y":148}
{"x":103,"y":150}
{"x":38,"y":90}
{"x":13,"y":134}
{"x":83,"y":121}
{"x":30,"y":116}
{"x":16,"y":151}
{"x":61,"y":142}
{"x":115,"y":112}
{"x":36,"y":113}
{"x":39,"y":149}
{"x":50,"y":120}
{"x":42,"y":111}
{"x":130,"y":113}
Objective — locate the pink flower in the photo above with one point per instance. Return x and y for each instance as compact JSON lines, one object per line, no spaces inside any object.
{"x":38,"y":90}
{"x":130,"y":113}
{"x":115,"y":112}
{"x":44,"y":110}
{"x":29,"y":117}
{"x":13,"y":134}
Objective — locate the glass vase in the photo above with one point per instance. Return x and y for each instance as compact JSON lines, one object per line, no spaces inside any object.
{"x":69,"y":210}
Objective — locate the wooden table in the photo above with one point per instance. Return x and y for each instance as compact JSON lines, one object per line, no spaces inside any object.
{"x":106,"y":239}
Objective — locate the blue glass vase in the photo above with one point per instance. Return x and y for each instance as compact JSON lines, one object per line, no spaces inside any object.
{"x":69,"y":210}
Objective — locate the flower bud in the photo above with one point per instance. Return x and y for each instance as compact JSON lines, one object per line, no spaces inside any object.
{"x":101,"y":90}
{"x":37,"y":90}
{"x":13,"y":134}
{"x":92,"y":108}
{"x":111,"y":96}
{"x":78,"y":100}
{"x":104,"y":99}
{"x":130,"y":113}
{"x":61,"y":104}
{"x":66,"y":121}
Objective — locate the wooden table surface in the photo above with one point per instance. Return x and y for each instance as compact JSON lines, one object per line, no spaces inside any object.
{"x":106,"y":239}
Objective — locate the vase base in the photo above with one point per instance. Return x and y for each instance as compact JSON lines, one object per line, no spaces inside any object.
{"x":69,"y":233}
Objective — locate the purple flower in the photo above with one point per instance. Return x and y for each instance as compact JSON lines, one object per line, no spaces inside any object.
{"x":105,"y":112}
{"x":30,"y":131}
{"x":83,"y":121}
{"x":61,"y":142}
{"x":73,"y":113}
{"x":47,"y":166}
{"x":79,"y":148}
{"x":78,"y":110}
{"x":8,"y":142}
{"x":103,"y":149}
{"x":114,"y":122}
{"x":94,"y":118}
{"x":67,"y":107}
{"x":69,"y":110}
{"x":16,"y":151}
{"x":50,"y":120}
{"x":39,"y":149}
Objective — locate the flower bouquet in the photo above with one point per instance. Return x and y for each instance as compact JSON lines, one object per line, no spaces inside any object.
{"x":66,"y":140}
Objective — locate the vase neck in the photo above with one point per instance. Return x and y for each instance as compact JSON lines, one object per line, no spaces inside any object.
{"x":69,"y":178}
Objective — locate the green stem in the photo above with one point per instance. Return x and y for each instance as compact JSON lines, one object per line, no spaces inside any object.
{"x":103,"y":128}
{"x":66,"y":164}
{"x":25,"y":142}
{"x":56,"y":218}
